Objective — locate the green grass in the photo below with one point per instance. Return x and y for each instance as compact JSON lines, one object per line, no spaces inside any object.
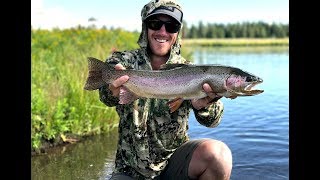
{"x":59,"y":105}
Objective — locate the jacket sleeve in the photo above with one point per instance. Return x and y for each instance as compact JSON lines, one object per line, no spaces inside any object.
{"x":106,"y":96}
{"x":211,"y":115}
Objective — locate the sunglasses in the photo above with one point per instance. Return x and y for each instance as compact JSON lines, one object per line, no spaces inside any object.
{"x":156,"y":24}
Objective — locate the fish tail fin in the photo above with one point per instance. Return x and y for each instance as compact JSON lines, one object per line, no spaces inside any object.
{"x":94,"y":79}
{"x":126,"y":96}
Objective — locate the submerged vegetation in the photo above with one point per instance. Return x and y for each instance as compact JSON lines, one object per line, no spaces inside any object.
{"x":61,"y":111}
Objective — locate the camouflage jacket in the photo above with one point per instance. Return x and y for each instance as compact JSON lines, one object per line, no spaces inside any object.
{"x":148,"y":133}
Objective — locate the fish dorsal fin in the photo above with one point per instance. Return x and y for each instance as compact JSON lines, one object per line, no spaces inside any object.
{"x":172,"y":66}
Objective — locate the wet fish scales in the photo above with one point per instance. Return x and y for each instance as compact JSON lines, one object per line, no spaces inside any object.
{"x":174,"y":81}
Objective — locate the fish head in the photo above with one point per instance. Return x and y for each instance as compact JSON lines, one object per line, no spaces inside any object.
{"x":242,"y":85}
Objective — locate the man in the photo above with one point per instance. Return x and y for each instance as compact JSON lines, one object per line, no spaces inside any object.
{"x":153,"y":143}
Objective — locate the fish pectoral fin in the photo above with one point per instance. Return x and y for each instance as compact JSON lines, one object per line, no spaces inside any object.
{"x":174,"y":104}
{"x":126,"y":96}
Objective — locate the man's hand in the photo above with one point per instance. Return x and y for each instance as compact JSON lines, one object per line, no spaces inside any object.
{"x":115,"y":85}
{"x":206,"y":101}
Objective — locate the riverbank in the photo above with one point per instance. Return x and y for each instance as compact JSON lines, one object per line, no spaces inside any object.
{"x":237,"y":42}
{"x":61,"y":111}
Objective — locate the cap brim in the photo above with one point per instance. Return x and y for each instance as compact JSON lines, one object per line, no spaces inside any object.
{"x":176,"y":14}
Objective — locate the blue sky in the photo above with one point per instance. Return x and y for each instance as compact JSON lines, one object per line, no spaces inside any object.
{"x":47,"y":14}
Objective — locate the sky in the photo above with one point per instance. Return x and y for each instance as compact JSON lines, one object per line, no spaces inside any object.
{"x":48,"y":14}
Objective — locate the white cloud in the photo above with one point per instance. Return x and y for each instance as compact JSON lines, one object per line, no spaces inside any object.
{"x":48,"y":18}
{"x":125,"y":23}
{"x":36,"y":5}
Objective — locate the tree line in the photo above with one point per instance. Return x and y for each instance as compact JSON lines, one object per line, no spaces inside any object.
{"x":236,"y":30}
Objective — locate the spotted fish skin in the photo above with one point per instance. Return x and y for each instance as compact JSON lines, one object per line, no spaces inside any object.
{"x":174,"y":81}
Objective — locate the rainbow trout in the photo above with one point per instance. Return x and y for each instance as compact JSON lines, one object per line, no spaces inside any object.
{"x":173,"y":81}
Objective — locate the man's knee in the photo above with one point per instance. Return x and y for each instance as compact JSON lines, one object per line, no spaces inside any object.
{"x":211,"y":159}
{"x":217,"y":154}
{"x":214,"y":149}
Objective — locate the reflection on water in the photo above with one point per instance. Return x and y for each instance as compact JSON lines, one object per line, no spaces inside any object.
{"x":90,"y":159}
{"x":255,"y":128}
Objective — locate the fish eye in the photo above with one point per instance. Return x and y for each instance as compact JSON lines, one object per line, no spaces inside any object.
{"x":249,"y":79}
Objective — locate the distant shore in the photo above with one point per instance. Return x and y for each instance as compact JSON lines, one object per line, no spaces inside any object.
{"x":237,"y":42}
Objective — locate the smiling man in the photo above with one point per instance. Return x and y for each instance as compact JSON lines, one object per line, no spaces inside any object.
{"x":153,"y":142}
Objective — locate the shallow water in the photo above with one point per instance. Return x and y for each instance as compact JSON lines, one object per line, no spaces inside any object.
{"x":255,"y":128}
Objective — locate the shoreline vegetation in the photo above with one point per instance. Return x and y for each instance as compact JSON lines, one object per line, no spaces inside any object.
{"x":236,"y":42}
{"x":61,"y":111}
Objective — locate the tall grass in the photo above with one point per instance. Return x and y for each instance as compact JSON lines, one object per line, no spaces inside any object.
{"x":59,"y":105}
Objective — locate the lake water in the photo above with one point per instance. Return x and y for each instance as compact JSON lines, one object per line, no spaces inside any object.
{"x":256,"y":128}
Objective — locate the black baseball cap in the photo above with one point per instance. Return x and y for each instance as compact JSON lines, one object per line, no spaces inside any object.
{"x":168,"y":10}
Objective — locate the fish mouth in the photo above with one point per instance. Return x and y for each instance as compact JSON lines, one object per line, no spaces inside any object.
{"x":249,"y":88}
{"x":243,"y":86}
